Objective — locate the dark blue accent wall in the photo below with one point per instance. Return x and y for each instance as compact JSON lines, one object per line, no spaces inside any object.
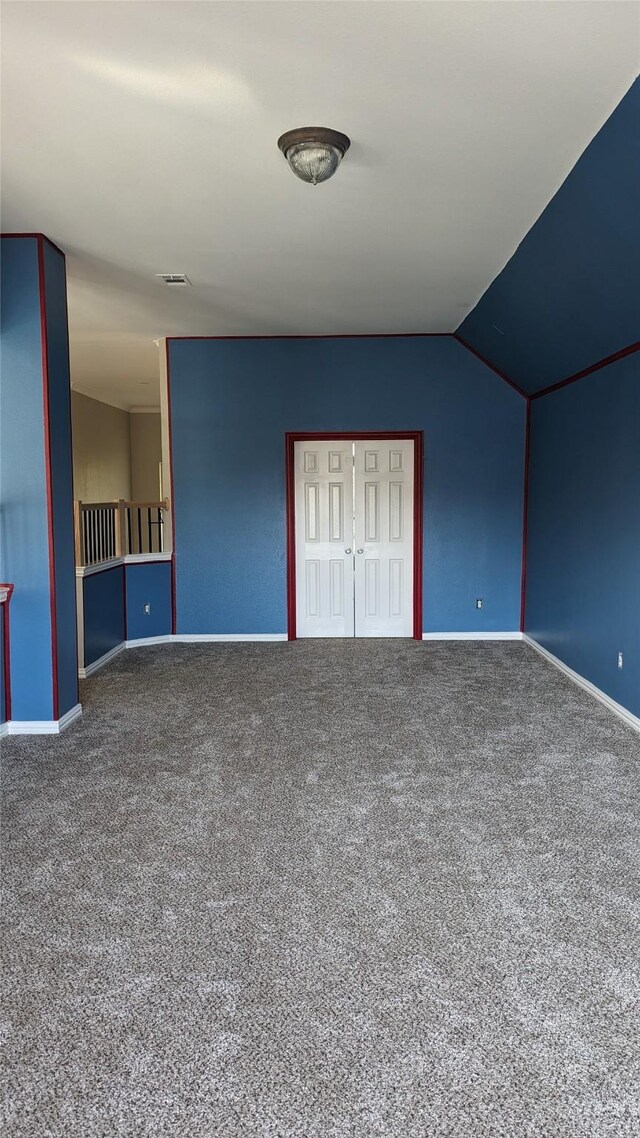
{"x":233,"y":401}
{"x":61,"y":475}
{"x":103,"y":607}
{"x":148,"y":583}
{"x":583,"y":563}
{"x":113,"y":606}
{"x":570,"y":295}
{"x":24,"y":553}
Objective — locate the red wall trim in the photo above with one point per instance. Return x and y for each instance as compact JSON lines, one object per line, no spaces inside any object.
{"x":6,"y":652}
{"x":418,"y":541}
{"x":404,"y":335}
{"x":291,"y":535}
{"x":366,"y":336}
{"x":48,"y":477}
{"x":487,"y":363}
{"x":292,"y":437}
{"x":39,"y":237}
{"x":525,"y":515}
{"x":66,"y":317}
{"x":172,"y":500}
{"x":321,"y":336}
{"x":589,"y":370}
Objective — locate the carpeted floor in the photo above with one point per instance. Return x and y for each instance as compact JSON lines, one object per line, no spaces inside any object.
{"x":357,"y":889}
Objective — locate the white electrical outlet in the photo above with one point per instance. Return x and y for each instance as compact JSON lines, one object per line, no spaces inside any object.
{"x":620,"y":660}
{"x":147,"y":609}
{"x":478,"y":602}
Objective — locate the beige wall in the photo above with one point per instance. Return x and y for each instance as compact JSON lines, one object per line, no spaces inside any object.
{"x":146,"y":455}
{"x":115,"y":454}
{"x":101,"y":450}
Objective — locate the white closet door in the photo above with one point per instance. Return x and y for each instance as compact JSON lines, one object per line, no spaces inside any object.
{"x":324,"y":538}
{"x":384,"y":538}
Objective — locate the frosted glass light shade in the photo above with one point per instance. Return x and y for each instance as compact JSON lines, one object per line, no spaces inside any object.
{"x":314,"y":153}
{"x":313,"y":163}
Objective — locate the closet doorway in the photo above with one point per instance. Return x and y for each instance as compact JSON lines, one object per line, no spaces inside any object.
{"x":354,"y":540}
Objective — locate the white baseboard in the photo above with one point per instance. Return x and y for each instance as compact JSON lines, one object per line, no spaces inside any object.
{"x":42,"y":726}
{"x":148,"y":640}
{"x":472,"y":636}
{"x":70,"y":717}
{"x":227,"y":638}
{"x":629,"y":718}
{"x":101,"y":662}
{"x":181,"y":638}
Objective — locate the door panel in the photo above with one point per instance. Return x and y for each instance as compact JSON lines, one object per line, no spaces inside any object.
{"x":324,"y":533}
{"x":384,"y":537}
{"x":354,"y":537}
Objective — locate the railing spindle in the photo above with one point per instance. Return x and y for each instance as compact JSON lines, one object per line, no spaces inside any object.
{"x":104,"y":531}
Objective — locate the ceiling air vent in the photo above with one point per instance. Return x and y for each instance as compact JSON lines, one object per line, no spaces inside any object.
{"x":173,"y":279}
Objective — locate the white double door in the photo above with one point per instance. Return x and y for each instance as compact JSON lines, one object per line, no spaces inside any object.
{"x":354,"y":537}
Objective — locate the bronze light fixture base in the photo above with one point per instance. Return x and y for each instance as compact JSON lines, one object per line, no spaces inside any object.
{"x":314,"y":152}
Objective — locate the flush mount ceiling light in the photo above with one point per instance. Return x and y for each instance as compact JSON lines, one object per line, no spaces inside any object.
{"x":314,"y":152}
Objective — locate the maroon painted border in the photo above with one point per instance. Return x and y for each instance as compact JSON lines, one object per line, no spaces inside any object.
{"x":418,"y":538}
{"x":321,"y":336}
{"x":72,"y":520}
{"x":417,"y":437}
{"x":525,"y":515}
{"x":6,"y":652}
{"x":487,"y":363}
{"x":48,"y":475}
{"x":290,"y":513}
{"x":628,"y":351}
{"x":39,"y":237}
{"x":172,"y":498}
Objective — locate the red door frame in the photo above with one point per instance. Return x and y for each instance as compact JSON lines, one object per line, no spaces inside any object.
{"x":417,"y":437}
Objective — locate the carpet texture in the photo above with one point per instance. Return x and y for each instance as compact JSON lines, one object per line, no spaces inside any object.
{"x":330,"y":889}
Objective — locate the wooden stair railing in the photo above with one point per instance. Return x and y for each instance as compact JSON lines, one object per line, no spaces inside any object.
{"x":106,"y":530}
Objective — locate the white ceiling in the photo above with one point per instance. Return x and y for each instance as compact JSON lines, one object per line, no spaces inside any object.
{"x":141,"y":137}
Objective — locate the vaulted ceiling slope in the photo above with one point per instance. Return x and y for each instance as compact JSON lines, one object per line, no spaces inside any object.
{"x":141,"y":138}
{"x":570,"y":295}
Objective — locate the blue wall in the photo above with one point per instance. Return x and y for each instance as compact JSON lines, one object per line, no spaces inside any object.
{"x":24,"y":547}
{"x":103,"y":608}
{"x":583,"y":562}
{"x":233,"y":400}
{"x":24,"y":554}
{"x":569,"y":296}
{"x":61,"y":475}
{"x":113,"y":606}
{"x":148,"y":583}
